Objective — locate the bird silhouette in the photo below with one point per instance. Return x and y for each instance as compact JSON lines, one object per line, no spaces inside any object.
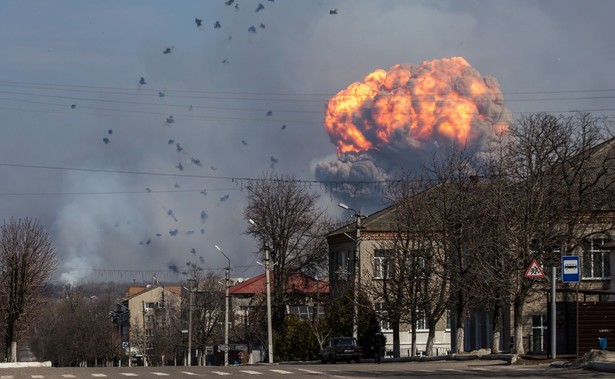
{"x":142,"y":81}
{"x":106,"y":140}
{"x":259,"y":8}
{"x":217,"y":25}
{"x":198,"y":22}
{"x":273,"y":161}
{"x":171,"y":141}
{"x":73,"y":106}
{"x":225,"y":61}
{"x":252,"y":29}
{"x":170,"y":120}
{"x":229,"y":2}
{"x":243,"y":141}
{"x":333,"y":11}
{"x":178,"y":147}
{"x":262,"y":26}
{"x":161,"y":94}
{"x":173,"y":232}
{"x":110,"y":131}
{"x":196,"y":161}
{"x":213,"y":168}
{"x":180,"y":167}
{"x":224,"y":198}
{"x":283,"y":127}
{"x":269,"y":113}
{"x":168,"y":50}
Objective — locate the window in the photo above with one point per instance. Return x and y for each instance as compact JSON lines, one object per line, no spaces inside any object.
{"x":421,"y":322}
{"x":305,"y":312}
{"x":539,"y":333}
{"x":149,"y":318}
{"x":596,"y":262}
{"x":341,"y":269}
{"x":382,"y":264}
{"x":149,"y":332}
{"x":382,"y":314}
{"x":150,"y":305}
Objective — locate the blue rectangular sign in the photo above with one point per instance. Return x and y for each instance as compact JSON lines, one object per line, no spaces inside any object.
{"x":571,"y":269}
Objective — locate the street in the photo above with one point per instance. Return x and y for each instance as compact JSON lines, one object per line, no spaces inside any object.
{"x":435,"y":369}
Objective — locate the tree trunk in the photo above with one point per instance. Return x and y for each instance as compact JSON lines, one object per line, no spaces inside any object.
{"x":518,"y":315}
{"x":13,"y":351}
{"x":496,"y":327}
{"x":431,"y":336}
{"x":396,"y":342}
{"x":459,"y":333}
{"x":413,"y":345}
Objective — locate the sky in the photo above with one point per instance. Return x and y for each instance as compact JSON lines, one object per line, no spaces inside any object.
{"x":130,"y":130}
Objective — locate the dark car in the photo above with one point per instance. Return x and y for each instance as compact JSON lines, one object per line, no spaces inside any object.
{"x":341,"y":348}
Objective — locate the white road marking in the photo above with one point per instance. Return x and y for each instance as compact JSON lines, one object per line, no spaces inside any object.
{"x":281,"y":371}
{"x":99,"y":375}
{"x":188,"y":373}
{"x":68,"y":376}
{"x":221,"y":373}
{"x":251,"y":372}
{"x":6,"y":377}
{"x":160,"y":373}
{"x":38,"y":376}
{"x":310,"y":371}
{"x":128,"y":374}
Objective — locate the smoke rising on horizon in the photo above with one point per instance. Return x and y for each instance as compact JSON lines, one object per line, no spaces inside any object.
{"x":397,"y":119}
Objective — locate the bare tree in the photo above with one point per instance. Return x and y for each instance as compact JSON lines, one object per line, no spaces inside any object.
{"x":27,"y":261}
{"x":288,"y":220}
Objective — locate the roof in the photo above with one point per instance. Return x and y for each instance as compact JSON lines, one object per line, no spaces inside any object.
{"x":136,"y":290}
{"x":297,"y":282}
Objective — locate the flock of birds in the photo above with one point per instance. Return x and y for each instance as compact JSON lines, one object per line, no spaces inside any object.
{"x":170,"y":121}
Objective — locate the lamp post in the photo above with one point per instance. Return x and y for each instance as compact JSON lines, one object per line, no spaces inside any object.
{"x":226,"y":306}
{"x":191,"y":281}
{"x":356,"y":270}
{"x":268,"y":284}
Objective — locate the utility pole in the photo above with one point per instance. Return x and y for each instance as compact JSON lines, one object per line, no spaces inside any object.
{"x":267,"y":281}
{"x":356,"y":270}
{"x":226,"y":306}
{"x":190,"y":324}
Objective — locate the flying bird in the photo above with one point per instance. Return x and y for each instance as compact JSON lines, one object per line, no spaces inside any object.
{"x":203,"y":192}
{"x":193,"y":251}
{"x":252,"y":29}
{"x":142,"y":81}
{"x":213,"y":168}
{"x":73,"y":106}
{"x":229,"y":2}
{"x":110,"y":131}
{"x":173,"y":232}
{"x":171,"y":141}
{"x":176,"y":185}
{"x":106,"y":140}
{"x":269,"y":113}
{"x":243,"y":141}
{"x":190,"y":107}
{"x":224,"y":198}
{"x":217,"y":25}
{"x":225,"y":61}
{"x":273,"y":161}
{"x":180,"y":167}
{"x":198,"y":22}
{"x":283,"y":127}
{"x":168,"y":50}
{"x":203,"y":216}
{"x":170,"y":120}
{"x":333,"y":11}
{"x":196,"y":161}
{"x":262,"y":26}
{"x":178,"y":147}
{"x":259,"y":8}
{"x":160,"y":94}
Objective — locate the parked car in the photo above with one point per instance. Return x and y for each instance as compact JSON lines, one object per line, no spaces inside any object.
{"x":341,"y":348}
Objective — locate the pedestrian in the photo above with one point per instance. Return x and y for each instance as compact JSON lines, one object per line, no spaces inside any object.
{"x":240,"y":357}
{"x":379,"y":345}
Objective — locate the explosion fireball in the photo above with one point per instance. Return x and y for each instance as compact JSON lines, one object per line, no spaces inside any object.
{"x":392,"y":118}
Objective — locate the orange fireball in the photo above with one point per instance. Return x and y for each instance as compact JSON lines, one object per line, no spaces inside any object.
{"x":436,"y":100}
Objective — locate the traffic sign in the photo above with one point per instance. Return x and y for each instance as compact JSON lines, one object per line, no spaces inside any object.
{"x":534,"y":271}
{"x":125,"y":345}
{"x":571,"y":269}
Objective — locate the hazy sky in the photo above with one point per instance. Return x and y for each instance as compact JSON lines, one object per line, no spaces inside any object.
{"x":228,"y":102}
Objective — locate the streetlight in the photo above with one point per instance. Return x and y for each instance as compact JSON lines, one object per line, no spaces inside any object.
{"x":269,"y":333}
{"x":357,"y":270}
{"x":226,"y":298}
{"x":191,"y":281}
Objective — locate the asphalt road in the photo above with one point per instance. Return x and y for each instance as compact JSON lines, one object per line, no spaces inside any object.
{"x":437,"y":369}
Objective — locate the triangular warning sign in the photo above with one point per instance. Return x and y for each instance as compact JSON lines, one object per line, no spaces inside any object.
{"x":534,"y":271}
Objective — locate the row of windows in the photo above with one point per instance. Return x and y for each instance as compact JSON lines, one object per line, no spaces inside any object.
{"x":421,"y":324}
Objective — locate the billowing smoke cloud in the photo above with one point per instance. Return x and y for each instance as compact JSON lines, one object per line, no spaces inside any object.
{"x":397,"y":119}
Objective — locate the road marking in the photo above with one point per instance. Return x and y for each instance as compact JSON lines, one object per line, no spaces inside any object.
{"x":251,"y":372}
{"x":310,"y":371}
{"x":6,"y":377}
{"x":38,"y":376}
{"x":221,"y":373}
{"x":129,"y":374}
{"x":160,"y":373}
{"x":99,"y":375}
{"x":68,"y":376}
{"x":281,"y":371}
{"x":188,"y":373}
